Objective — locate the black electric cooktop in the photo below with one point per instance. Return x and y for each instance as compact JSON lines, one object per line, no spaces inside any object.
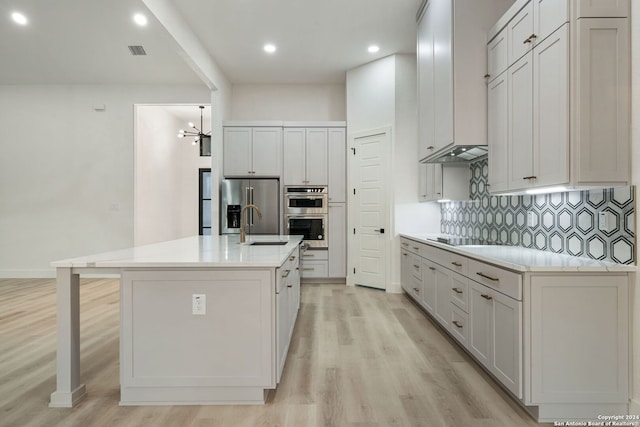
{"x":460,"y":241}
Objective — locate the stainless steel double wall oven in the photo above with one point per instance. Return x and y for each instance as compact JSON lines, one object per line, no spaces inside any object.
{"x":306,"y":211}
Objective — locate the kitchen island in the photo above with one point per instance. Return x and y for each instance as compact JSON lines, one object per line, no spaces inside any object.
{"x":203,"y":320}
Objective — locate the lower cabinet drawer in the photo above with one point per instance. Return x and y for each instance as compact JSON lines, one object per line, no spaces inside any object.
{"x":314,"y":269}
{"x":505,"y":281}
{"x":458,"y":325}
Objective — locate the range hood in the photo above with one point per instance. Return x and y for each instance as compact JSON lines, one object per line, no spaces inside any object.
{"x":459,"y":154}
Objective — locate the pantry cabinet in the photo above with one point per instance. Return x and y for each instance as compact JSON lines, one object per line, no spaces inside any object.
{"x":254,"y":152}
{"x":567,"y":113}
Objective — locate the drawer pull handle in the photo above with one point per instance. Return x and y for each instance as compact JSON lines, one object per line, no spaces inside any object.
{"x":432,"y":268}
{"x":529,"y":177}
{"x":308,"y":269}
{"x":416,"y":249}
{"x":289,"y":286}
{"x":457,"y":324}
{"x":416,"y":266}
{"x":457,"y":264}
{"x":416,"y":289}
{"x":292,"y":258}
{"x":487,"y":297}
{"x":431,"y":147}
{"x":405,"y":244}
{"x":486,"y":76}
{"x":456,"y":290}
{"x":284,"y":276}
{"x":308,"y":255}
{"x":495,"y":279}
{"x":405,"y":254}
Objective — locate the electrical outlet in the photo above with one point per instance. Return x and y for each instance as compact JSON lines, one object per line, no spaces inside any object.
{"x":199,"y":304}
{"x":531,"y":219}
{"x":603,"y":221}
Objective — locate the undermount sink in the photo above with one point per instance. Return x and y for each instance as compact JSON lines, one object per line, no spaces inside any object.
{"x":267,"y":243}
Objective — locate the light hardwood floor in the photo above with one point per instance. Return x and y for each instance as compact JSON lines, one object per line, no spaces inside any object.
{"x":359,"y":357}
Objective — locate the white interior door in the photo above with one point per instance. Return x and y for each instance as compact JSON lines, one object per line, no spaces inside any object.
{"x":369,"y":210}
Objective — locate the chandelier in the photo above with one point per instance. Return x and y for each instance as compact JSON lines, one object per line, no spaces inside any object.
{"x":204,"y":139}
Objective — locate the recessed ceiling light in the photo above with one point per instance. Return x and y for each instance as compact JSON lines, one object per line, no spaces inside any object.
{"x":19,"y":18}
{"x":373,"y":48}
{"x":269,"y":48}
{"x":140,"y":19}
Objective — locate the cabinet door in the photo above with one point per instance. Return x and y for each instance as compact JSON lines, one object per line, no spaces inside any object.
{"x":438,"y":183}
{"x":480,"y":323}
{"x":443,"y":300}
{"x":548,"y":16}
{"x":520,"y":92}
{"x":497,"y":55}
{"x":507,"y":342}
{"x":283,"y":326}
{"x":236,"y":152}
{"x":498,"y":129}
{"x":316,"y":156}
{"x":337,"y":165}
{"x":425,"y":84}
{"x":294,"y":156}
{"x":405,"y":273}
{"x":602,"y":101}
{"x":520,"y":29}
{"x":423,"y":181}
{"x":602,"y":8}
{"x":443,"y":72}
{"x":428,"y":286}
{"x":337,"y":240}
{"x":551,"y":109}
{"x":267,"y":152}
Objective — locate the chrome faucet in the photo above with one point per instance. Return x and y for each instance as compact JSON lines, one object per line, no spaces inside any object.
{"x":243,"y":233}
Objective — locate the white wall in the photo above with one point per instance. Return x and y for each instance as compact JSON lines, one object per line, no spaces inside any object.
{"x":383,"y":94}
{"x":66,"y":170}
{"x":288,"y":102}
{"x":166,"y":176}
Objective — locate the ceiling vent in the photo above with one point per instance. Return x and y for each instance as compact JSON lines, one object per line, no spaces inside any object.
{"x":137,"y":50}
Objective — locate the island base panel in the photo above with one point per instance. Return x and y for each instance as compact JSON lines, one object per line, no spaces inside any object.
{"x":192,"y":396}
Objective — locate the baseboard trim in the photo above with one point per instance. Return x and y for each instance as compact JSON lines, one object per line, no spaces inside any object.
{"x":634,"y":407}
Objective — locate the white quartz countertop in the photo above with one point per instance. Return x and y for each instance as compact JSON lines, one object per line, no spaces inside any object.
{"x":524,"y":259}
{"x":196,"y":251}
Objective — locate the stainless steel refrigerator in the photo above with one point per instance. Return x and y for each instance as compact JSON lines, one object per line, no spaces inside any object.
{"x":235,"y":194}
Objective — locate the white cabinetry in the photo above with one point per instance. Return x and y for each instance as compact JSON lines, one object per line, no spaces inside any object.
{"x":338,"y":240}
{"x":567,"y":114}
{"x":252,"y":152}
{"x":305,"y":156}
{"x":287,"y":304}
{"x":532,"y":330}
{"x":337,"y":165}
{"x":444,"y":181}
{"x":451,"y":66}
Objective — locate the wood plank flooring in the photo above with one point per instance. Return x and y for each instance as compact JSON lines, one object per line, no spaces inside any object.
{"x":359,"y":357}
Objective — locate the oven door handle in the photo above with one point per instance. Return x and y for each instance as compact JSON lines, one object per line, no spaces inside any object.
{"x":320,"y":216}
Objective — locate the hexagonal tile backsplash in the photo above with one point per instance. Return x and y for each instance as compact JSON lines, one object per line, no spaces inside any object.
{"x":562,"y":222}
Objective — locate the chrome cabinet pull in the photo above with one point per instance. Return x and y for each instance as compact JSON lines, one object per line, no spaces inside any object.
{"x":456,"y":290}
{"x":495,"y":279}
{"x":457,"y":324}
{"x":487,"y":297}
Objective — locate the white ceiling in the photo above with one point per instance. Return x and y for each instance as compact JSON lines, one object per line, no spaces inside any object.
{"x":85,"y":41}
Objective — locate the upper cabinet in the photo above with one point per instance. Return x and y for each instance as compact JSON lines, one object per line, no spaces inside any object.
{"x":452,"y":99}
{"x":557,"y":116}
{"x":252,"y":152}
{"x":305,"y":156}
